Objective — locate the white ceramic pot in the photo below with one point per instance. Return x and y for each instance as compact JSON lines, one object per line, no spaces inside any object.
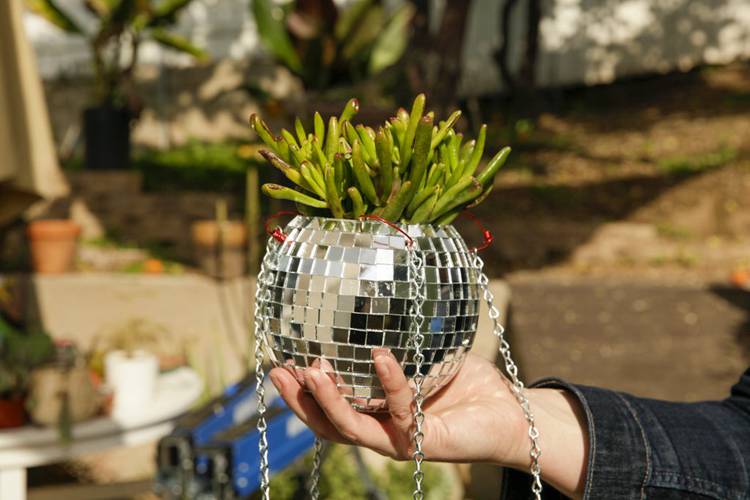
{"x":132,"y":377}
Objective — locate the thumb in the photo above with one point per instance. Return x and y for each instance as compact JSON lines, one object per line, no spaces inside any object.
{"x":398,"y":394}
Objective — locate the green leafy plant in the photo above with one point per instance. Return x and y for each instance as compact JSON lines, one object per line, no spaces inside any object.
{"x":122,"y":26}
{"x":697,"y":163}
{"x":327,"y":45}
{"x":201,"y":166}
{"x":20,"y":353}
{"x":340,"y":479}
{"x":410,"y":170}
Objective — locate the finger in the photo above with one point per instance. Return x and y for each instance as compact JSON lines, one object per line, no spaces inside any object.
{"x":398,"y":394}
{"x":304,"y":405}
{"x":327,"y":368}
{"x":356,"y":427}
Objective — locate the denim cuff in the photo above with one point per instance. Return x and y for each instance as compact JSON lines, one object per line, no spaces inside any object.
{"x":618,"y":459}
{"x":618,"y":462}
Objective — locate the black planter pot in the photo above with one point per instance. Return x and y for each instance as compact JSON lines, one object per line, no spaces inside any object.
{"x":106,"y":131}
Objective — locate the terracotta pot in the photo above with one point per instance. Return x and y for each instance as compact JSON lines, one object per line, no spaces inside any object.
{"x":220,"y":252}
{"x":12,"y":413}
{"x":53,"y":245}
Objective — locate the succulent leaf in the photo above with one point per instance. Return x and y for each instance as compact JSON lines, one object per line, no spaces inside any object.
{"x":410,"y":170}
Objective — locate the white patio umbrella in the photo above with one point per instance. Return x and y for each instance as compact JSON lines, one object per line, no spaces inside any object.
{"x":29,"y":169}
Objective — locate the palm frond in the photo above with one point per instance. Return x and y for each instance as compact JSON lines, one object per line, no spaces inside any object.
{"x":269,"y":18}
{"x":166,"y":12}
{"x":50,"y":11}
{"x":179,"y":43}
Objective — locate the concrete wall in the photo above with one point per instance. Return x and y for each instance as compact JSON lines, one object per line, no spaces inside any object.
{"x":207,"y":321}
{"x":598,"y":41}
{"x":582,"y":41}
{"x":224,"y":27}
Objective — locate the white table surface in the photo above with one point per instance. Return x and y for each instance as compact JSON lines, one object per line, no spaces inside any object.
{"x":29,"y":446}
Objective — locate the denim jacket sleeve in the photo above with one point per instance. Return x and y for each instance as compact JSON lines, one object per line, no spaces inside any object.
{"x":645,"y":448}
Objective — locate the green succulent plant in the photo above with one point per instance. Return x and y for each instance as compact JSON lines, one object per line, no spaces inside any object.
{"x":409,"y":170}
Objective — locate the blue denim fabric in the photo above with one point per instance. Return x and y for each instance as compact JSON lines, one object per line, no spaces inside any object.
{"x":644,"y":448}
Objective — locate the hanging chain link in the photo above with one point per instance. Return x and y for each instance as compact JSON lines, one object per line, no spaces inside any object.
{"x":314,"y":485}
{"x":416,"y":270}
{"x":265,"y":279}
{"x":517,"y":386}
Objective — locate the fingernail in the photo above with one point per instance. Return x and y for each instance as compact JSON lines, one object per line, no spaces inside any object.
{"x":325,"y":365}
{"x":381,"y":364}
{"x":314,"y":378}
{"x":379,"y":351}
{"x":277,"y":382}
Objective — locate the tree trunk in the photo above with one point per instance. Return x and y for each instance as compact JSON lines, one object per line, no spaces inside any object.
{"x":526,"y":78}
{"x":449,"y":45}
{"x":501,"y":55}
{"x":435,"y":63}
{"x":528,"y":68}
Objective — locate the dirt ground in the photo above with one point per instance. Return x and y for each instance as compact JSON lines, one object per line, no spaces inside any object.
{"x":669,"y":156}
{"x":676,"y":341}
{"x":618,"y":224}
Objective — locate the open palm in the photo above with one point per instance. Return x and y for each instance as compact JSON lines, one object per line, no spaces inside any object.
{"x":474,"y":418}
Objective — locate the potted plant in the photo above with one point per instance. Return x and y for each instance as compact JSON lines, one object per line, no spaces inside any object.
{"x":129,"y":357}
{"x":20,"y":354}
{"x":53,"y":244}
{"x":337,"y":49}
{"x":132,"y":377}
{"x":122,"y":26}
{"x":219,"y":244}
{"x":374,"y":206}
{"x":63,"y":391}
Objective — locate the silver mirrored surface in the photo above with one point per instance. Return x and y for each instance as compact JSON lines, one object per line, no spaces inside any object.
{"x":341,"y":288}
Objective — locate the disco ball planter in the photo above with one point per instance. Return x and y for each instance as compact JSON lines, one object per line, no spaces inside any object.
{"x":372,"y":261}
{"x":342,"y":287}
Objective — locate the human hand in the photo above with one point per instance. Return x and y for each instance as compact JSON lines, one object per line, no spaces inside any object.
{"x":474,"y":418}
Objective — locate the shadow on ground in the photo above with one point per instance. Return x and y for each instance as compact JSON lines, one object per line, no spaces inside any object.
{"x":739,"y":299}
{"x":541,"y":225}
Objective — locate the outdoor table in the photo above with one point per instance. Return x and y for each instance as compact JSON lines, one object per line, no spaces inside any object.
{"x":30,"y":446}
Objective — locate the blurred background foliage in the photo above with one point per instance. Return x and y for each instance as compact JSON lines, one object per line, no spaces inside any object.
{"x":328,"y":45}
{"x":119,"y":29}
{"x":341,"y":479}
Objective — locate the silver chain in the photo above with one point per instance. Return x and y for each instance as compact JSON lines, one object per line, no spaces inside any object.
{"x":416,"y":269}
{"x":314,"y":486}
{"x":265,"y":279}
{"x":262,"y":302}
{"x":517,"y":386}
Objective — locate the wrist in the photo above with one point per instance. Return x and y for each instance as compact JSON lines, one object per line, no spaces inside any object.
{"x":563,"y":439}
